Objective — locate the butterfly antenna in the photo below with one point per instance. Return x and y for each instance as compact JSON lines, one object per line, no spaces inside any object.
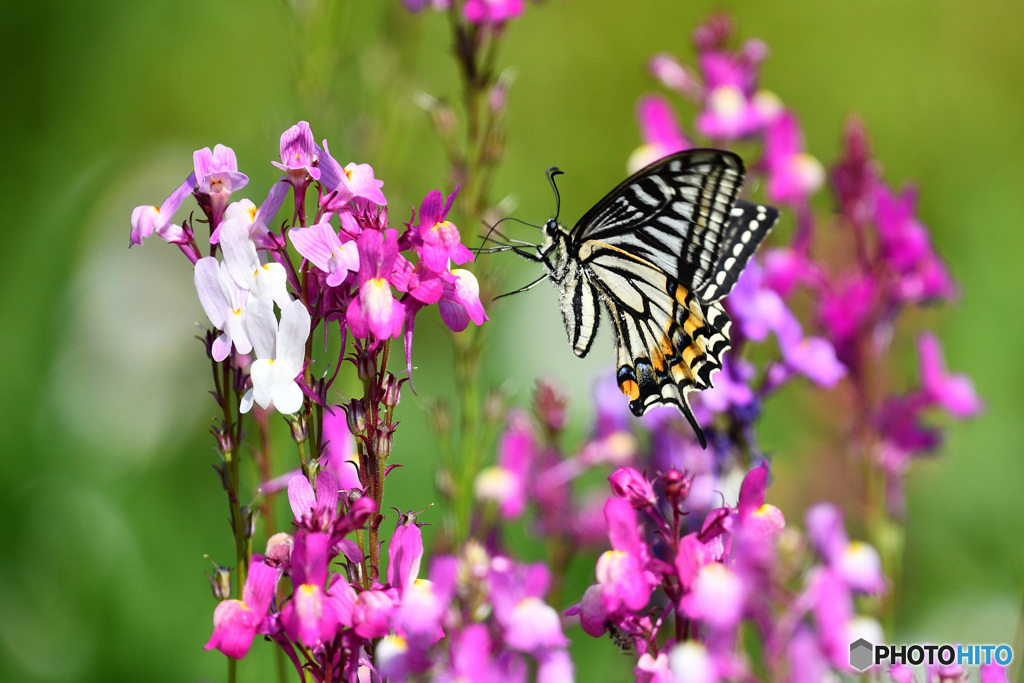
{"x":552,"y":172}
{"x":495,"y":227}
{"x":523,"y":289}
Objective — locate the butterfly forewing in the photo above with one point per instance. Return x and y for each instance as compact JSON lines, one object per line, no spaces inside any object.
{"x":749,"y":224}
{"x":672,"y":214}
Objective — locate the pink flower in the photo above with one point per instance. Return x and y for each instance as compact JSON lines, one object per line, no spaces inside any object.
{"x":348,"y":185}
{"x":437,"y":239}
{"x":660,"y":132}
{"x":793,"y":174}
{"x":956,"y":392}
{"x":622,"y":571}
{"x":630,"y":485}
{"x":314,"y":511}
{"x":375,"y":310}
{"x":460,"y":300}
{"x":491,"y":11}
{"x":309,"y":617}
{"x":235,"y":621}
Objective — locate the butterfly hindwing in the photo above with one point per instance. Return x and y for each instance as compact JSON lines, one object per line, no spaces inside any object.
{"x":668,"y":342}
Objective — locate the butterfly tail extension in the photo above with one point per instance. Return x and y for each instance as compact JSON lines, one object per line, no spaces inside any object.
{"x":748,"y":226}
{"x":662,"y":366}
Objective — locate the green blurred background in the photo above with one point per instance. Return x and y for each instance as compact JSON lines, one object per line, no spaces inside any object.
{"x":107,"y":497}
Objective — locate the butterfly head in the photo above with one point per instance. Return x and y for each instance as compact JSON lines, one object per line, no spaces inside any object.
{"x":554,"y":252}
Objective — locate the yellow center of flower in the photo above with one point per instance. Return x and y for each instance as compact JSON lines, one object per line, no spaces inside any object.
{"x":348,"y":173}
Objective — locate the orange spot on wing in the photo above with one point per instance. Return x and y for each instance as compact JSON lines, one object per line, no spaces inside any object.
{"x":630,"y":389}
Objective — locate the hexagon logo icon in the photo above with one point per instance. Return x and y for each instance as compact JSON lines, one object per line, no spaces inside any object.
{"x":861,"y":654}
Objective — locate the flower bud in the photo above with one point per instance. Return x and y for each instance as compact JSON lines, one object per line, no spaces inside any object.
{"x":392,"y":390}
{"x":355,"y":416}
{"x":631,"y":485}
{"x":279,"y":549}
{"x":300,"y":431}
{"x":677,"y":485}
{"x":225,"y":440}
{"x":220,"y":582}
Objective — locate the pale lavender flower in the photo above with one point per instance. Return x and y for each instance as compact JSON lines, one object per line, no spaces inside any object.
{"x":298,"y":155}
{"x":321,"y":246}
{"x":149,"y":219}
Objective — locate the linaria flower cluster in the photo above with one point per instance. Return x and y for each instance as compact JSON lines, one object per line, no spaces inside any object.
{"x":695,"y":576}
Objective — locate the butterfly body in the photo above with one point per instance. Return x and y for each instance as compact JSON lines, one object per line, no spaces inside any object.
{"x":660,"y":251}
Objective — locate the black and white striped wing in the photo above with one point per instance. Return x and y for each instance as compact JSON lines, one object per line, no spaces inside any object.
{"x":749,"y":224}
{"x":668,"y":342}
{"x":674,"y":214}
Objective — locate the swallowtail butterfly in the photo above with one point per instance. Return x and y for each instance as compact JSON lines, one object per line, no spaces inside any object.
{"x":660,"y":251}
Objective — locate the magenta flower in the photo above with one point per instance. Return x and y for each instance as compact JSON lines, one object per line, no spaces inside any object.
{"x":756,"y":309}
{"x":905,"y":245}
{"x":622,"y":571}
{"x":732,"y":386}
{"x":491,"y":11}
{"x":955,"y":393}
{"x":298,"y":154}
{"x":371,"y":614}
{"x":793,"y":174}
{"x":340,"y":456}
{"x":320,"y":245}
{"x":309,"y":617}
{"x":717,"y":597}
{"x":630,"y":485}
{"x":437,"y":239}
{"x":149,"y":219}
{"x":235,"y":621}
{"x":405,"y":552}
{"x":660,"y":132}
{"x":517,"y":591}
{"x":732,"y":106}
{"x":653,"y":669}
{"x":375,"y":310}
{"x":217,"y":177}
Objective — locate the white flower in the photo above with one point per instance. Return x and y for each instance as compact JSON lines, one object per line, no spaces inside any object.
{"x":266,"y":281}
{"x":224,"y":303}
{"x":280,"y":350}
